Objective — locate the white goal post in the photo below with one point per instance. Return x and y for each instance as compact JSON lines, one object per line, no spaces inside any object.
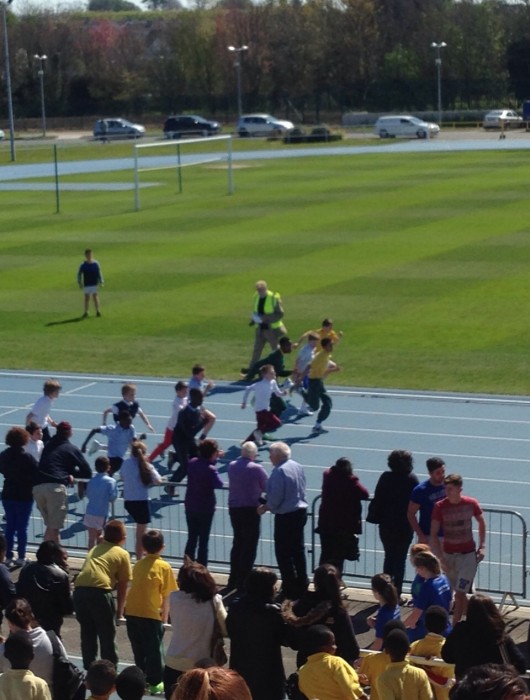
{"x":176,"y":160}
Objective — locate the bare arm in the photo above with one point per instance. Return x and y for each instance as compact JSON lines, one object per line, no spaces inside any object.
{"x":90,"y":435}
{"x":413,"y":521}
{"x":164,"y":612}
{"x":105,"y":414}
{"x":121,"y":589}
{"x":145,"y":420}
{"x":482,"y":537}
{"x":436,"y":545}
{"x":411,"y":621}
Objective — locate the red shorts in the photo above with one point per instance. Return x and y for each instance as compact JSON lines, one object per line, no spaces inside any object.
{"x":267,"y":421}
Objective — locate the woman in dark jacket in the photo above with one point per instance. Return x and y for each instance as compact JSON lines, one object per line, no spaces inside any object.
{"x":257,"y":632}
{"x":19,"y":470}
{"x":323,"y":606}
{"x":340,"y":514}
{"x":389,"y":510}
{"x":481,"y":639}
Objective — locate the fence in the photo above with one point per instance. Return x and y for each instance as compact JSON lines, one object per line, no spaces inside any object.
{"x":502,"y":573}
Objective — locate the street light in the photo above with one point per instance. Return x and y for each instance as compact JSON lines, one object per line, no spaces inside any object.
{"x":40,"y":73}
{"x":8,"y":81}
{"x":437,"y":46}
{"x":238,"y":51}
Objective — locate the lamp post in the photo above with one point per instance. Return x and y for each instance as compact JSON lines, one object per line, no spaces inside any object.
{"x":40,"y":73}
{"x":7,"y":69}
{"x":437,"y":46}
{"x":238,"y":51}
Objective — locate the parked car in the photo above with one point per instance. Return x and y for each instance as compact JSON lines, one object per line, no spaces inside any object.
{"x":404,"y":125}
{"x":189,"y":124}
{"x":262,"y":125}
{"x":2,"y":135}
{"x":511,"y":119}
{"x":117,"y":129}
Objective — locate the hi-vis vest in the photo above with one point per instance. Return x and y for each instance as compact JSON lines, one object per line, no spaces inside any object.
{"x":270,"y":304}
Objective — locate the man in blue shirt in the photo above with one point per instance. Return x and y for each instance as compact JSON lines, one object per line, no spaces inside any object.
{"x":287,"y":501}
{"x":89,"y":277}
{"x":423,"y":498}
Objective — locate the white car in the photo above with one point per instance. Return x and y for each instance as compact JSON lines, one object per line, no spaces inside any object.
{"x":262,"y":125}
{"x":404,"y":125}
{"x":511,"y":119}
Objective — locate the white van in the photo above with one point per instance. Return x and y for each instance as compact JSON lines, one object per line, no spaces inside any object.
{"x":404,"y":125}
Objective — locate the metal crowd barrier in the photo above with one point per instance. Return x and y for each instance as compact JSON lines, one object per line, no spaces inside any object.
{"x":502,"y":573}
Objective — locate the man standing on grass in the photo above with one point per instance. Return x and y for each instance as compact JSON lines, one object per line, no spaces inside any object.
{"x":423,"y":498}
{"x":267,"y":314}
{"x":458,"y":555}
{"x":88,"y":278}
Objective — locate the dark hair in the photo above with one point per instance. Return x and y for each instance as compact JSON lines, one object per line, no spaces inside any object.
{"x":436,"y":619}
{"x":326,"y":343}
{"x":114,"y":532}
{"x":16,"y":437}
{"x":130,"y":683}
{"x":153,"y":541}
{"x":260,"y":584}
{"x":197,"y":369}
{"x":124,"y":414}
{"x":327,"y":322}
{"x":194,"y":578}
{"x":18,"y":649}
{"x":454,"y":480}
{"x":397,"y":645}
{"x":484,"y":618}
{"x":316,"y":638}
{"x":382,"y":584}
{"x":214,"y":683}
{"x":32,"y":427}
{"x":343,"y":466}
{"x":195,"y":396}
{"x":19,"y":613}
{"x":48,"y":552}
{"x":208,"y":447}
{"x":102,"y":464}
{"x":326,"y":579}
{"x":3,"y":543}
{"x":101,"y":677}
{"x":490,"y":682}
{"x":400,"y":461}
{"x":434,"y":463}
{"x":392,"y":625}
{"x":181,"y":385}
{"x":284,"y":341}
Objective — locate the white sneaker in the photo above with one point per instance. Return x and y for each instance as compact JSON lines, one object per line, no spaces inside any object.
{"x":95,"y":447}
{"x":258,"y":437}
{"x":21,"y":562}
{"x":304,"y":412}
{"x":288,"y":383}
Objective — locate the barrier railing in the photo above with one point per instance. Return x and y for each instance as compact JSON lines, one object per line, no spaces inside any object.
{"x":503,"y":572}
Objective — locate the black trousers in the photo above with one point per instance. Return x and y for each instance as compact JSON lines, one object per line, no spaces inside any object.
{"x":290,"y":552}
{"x":246,"y":527}
{"x":396,"y":546}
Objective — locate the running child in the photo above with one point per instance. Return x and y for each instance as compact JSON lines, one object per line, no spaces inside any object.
{"x":263,"y":391}
{"x":180,"y":400}
{"x":198,"y":380}
{"x":128,"y":403}
{"x":40,"y":413}
{"x":120,"y":436}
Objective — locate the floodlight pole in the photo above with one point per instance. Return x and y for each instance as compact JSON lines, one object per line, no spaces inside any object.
{"x":9,"y":91}
{"x":238,"y":51}
{"x":40,"y":73}
{"x":437,"y":46}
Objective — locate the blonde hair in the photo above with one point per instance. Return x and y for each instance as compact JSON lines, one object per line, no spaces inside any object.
{"x":139,"y":451}
{"x":213,"y":683}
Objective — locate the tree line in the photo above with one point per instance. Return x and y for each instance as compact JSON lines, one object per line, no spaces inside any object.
{"x":303,"y":58}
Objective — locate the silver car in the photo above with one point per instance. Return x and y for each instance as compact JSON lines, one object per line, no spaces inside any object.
{"x":511,"y":119}
{"x":262,"y":125}
{"x":110,"y":129}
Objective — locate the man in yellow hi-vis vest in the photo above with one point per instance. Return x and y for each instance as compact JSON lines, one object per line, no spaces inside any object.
{"x":267,"y":312}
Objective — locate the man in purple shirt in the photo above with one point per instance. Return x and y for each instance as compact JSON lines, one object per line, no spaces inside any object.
{"x":200,"y":501}
{"x":247,"y":481}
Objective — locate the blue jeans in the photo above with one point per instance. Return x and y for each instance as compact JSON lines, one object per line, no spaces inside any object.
{"x":17,"y":520}
{"x":199,"y":525}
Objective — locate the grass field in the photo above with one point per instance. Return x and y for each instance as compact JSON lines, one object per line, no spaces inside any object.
{"x":423,"y":260}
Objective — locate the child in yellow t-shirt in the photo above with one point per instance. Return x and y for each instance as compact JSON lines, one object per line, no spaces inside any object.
{"x":441,"y":678}
{"x":373,"y":665}
{"x":147,"y":609}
